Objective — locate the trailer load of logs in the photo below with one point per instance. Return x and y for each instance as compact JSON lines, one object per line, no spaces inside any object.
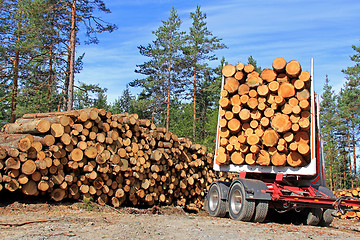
{"x":349,"y":193}
{"x":90,"y":153}
{"x":265,"y":117}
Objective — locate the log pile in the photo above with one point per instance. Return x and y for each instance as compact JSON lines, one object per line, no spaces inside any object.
{"x":117,"y":159}
{"x":352,"y":193}
{"x":265,"y":118}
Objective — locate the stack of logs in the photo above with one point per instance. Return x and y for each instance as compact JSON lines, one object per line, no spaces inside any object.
{"x":90,"y":153}
{"x":265,"y":118}
{"x":352,"y":193}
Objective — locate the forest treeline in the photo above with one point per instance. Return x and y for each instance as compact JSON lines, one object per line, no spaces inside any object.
{"x":37,"y":53}
{"x":180,"y":85}
{"x":340,"y":126}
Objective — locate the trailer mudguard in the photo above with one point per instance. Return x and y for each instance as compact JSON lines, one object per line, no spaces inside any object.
{"x":326,"y":191}
{"x":224,"y":188}
{"x":254,"y":189}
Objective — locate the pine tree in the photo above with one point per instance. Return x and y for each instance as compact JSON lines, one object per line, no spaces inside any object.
{"x":82,"y":12}
{"x":16,"y":47}
{"x":253,"y":62}
{"x":200,"y":45}
{"x":328,"y":130}
{"x":142,"y":106}
{"x":88,"y":95}
{"x":208,"y":98}
{"x":349,"y":106}
{"x":100,"y":101}
{"x":123,"y":103}
{"x":162,"y":69}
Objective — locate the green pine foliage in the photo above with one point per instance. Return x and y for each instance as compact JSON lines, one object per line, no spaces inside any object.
{"x":253,"y":62}
{"x":198,"y":52}
{"x":34,"y":53}
{"x":328,"y":111}
{"x":340,"y":119}
{"x":162,"y":70}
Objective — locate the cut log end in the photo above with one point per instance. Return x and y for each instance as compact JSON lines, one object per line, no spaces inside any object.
{"x":279,"y":64}
{"x":228,"y":70}
{"x":281,"y":123}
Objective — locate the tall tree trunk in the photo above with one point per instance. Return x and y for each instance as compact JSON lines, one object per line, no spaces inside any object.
{"x":168,"y":97}
{"x":50,"y":75}
{"x":194,"y":114}
{"x":66,"y":85}
{"x":330,"y":170}
{"x":15,"y":84}
{"x":169,"y":87}
{"x":153,"y":114}
{"x":354,"y":152}
{"x":15,"y":72}
{"x":72,"y":56}
{"x":350,"y":165}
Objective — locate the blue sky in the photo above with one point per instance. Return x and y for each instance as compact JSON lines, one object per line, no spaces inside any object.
{"x":293,"y":29}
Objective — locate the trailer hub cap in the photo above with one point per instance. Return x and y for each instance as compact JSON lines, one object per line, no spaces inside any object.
{"x":236,"y":201}
{"x":213,"y":200}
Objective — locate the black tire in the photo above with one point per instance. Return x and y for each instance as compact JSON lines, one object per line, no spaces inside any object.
{"x":314,"y":216}
{"x":216,"y":207}
{"x":240,"y":208}
{"x":327,"y":216}
{"x":261,"y":210}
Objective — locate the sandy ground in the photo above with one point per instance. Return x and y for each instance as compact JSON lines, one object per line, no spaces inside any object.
{"x":81,"y":221}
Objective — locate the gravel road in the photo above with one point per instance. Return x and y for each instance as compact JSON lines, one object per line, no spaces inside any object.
{"x":80,"y":221}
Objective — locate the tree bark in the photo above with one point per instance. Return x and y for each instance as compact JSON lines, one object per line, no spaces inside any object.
{"x":194,"y":113}
{"x":50,"y":75}
{"x":72,"y":56}
{"x":354,"y":147}
{"x":350,"y":165}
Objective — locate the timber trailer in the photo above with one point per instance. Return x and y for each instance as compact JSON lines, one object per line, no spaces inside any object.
{"x":261,"y":188}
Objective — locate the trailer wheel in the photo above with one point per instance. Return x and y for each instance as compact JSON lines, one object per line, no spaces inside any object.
{"x":314,"y":216}
{"x":327,"y":217}
{"x":240,"y":208}
{"x":261,"y":210}
{"x":215,"y":205}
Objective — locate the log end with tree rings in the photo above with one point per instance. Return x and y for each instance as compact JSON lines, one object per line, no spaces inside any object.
{"x":250,"y":158}
{"x":279,"y":64}
{"x":305,"y":76}
{"x":295,"y":159}
{"x":263,"y":90}
{"x":243,"y":89}
{"x":293,"y":68}
{"x":237,"y":158}
{"x":253,"y":81}
{"x":253,"y":139}
{"x":278,"y":159}
{"x":263,"y":158}
{"x":234,"y":125}
{"x":76,"y":154}
{"x":239,"y":75}
{"x":248,"y":68}
{"x":231,"y":85}
{"x":239,"y":66}
{"x":286,"y":90}
{"x":270,"y":138}
{"x":43,"y":126}
{"x":268,"y":75}
{"x":281,"y":123}
{"x":228,"y":70}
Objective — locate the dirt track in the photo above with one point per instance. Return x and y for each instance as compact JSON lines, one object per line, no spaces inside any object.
{"x":79,"y":221}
